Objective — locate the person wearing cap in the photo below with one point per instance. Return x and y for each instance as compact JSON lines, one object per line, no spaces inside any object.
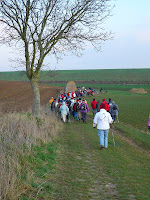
{"x":93,"y":105}
{"x":105,"y":102}
{"x":103,"y":120}
{"x":84,"y":108}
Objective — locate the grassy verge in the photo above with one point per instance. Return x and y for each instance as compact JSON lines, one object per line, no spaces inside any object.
{"x":41,"y":161}
{"x":140,"y":138}
{"x":26,"y":154}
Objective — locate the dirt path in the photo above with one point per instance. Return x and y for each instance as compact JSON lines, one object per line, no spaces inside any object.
{"x":131,"y":142}
{"x":79,"y":171}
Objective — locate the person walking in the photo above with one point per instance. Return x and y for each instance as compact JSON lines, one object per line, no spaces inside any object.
{"x":109,"y":102}
{"x":98,"y":106}
{"x":75,"y":109}
{"x":79,"y":112}
{"x":103,"y":120}
{"x":84,"y":108}
{"x":105,"y":102}
{"x":51,"y":102}
{"x":64,"y":110}
{"x":93,"y":105}
{"x":114,"y":111}
{"x":110,"y":105}
{"x":149,"y":123}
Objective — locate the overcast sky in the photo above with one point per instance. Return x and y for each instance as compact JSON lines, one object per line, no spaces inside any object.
{"x":130,"y":47}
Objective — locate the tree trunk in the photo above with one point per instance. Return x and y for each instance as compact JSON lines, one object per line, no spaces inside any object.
{"x":36,"y":97}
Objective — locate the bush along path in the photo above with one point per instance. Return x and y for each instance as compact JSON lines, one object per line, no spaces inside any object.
{"x":83,"y":171}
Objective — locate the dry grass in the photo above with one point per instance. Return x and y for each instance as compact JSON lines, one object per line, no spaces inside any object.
{"x":138,"y":90}
{"x":18,"y":132}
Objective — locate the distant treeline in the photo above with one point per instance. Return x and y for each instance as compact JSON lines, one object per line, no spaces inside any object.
{"x":101,"y":76}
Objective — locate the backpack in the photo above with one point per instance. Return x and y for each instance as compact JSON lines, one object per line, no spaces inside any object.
{"x":83,"y":106}
{"x":77,"y":106}
{"x":110,"y":104}
{"x":114,"y":107}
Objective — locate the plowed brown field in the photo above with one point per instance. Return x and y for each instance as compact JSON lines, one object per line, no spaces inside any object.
{"x":17,"y":96}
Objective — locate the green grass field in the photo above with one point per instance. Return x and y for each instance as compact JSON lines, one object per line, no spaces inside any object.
{"x":133,"y":108}
{"x":104,"y":74}
{"x":142,"y":75}
{"x":107,"y":87}
{"x":85,"y":75}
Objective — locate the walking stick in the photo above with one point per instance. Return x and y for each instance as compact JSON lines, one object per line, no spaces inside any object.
{"x":117,"y":117}
{"x":113,"y":136}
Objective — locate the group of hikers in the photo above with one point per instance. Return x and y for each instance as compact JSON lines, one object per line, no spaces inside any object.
{"x":66,"y":106}
{"x":104,"y":113}
{"x":111,"y":107}
{"x":70,"y":103}
{"x":82,"y":91}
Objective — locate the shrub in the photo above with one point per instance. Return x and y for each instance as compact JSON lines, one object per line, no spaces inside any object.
{"x":18,"y":133}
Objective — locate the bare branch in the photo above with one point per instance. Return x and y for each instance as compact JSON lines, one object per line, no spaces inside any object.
{"x":53,"y":27}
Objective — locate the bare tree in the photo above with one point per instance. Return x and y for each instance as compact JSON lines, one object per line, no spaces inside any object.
{"x":43,"y":27}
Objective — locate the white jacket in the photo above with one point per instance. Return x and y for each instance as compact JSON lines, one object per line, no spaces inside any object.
{"x":102,"y":119}
{"x":64,"y":109}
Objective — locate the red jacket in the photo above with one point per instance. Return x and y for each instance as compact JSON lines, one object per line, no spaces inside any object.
{"x":107,"y":106}
{"x":75,"y":107}
{"x":93,"y":104}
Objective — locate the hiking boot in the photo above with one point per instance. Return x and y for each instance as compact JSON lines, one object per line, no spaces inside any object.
{"x":101,"y":147}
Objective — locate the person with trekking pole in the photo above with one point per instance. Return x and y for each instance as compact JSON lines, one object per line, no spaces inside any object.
{"x":103,"y":120}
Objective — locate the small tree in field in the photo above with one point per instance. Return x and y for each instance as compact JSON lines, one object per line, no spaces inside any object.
{"x":43,"y":27}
